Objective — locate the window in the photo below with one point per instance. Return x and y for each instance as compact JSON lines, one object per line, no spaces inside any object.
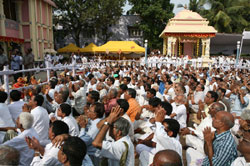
{"x":134,"y":32}
{"x":9,"y":9}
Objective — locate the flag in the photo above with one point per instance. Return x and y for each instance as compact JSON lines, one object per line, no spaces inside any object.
{"x":246,"y":35}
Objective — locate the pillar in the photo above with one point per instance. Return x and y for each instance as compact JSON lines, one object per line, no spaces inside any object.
{"x":174,"y":42}
{"x":2,"y":20}
{"x":164,"y":46}
{"x":203,"y":46}
{"x":169,"y":46}
{"x":19,"y":19}
{"x":207,"y":50}
{"x":33,"y":28}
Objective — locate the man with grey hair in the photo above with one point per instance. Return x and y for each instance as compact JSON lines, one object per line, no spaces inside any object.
{"x":194,"y":136}
{"x":121,"y":151}
{"x":110,"y":101}
{"x":9,"y":155}
{"x":24,"y":125}
{"x":100,"y":87}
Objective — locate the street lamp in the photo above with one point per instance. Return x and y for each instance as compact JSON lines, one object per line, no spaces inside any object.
{"x":146,"y":59}
{"x":238,"y":52}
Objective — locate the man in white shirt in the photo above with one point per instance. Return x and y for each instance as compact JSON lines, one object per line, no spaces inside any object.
{"x":48,"y":155}
{"x":121,"y":151}
{"x":194,"y":136}
{"x":15,"y":107}
{"x":64,"y":112}
{"x":24,"y":123}
{"x":41,"y":117}
{"x":100,"y":87}
{"x":5,"y":116}
{"x":165,"y":137}
{"x":179,"y":110}
{"x":78,"y":94}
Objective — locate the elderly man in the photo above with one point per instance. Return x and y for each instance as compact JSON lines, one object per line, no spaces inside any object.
{"x":194,"y":136}
{"x":110,"y":101}
{"x":220,"y":147}
{"x":120,"y":152}
{"x":24,"y":124}
{"x":100,"y":87}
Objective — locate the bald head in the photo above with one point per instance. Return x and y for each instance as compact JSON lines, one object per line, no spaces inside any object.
{"x":227,"y":119}
{"x":167,"y":158}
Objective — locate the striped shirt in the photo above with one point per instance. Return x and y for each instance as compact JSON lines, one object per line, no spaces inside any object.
{"x":225,"y":150}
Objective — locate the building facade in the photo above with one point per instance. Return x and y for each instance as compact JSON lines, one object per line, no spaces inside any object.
{"x":26,"y":24}
{"x":124,"y":30}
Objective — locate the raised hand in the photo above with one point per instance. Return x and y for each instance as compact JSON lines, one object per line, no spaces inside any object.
{"x":208,"y":135}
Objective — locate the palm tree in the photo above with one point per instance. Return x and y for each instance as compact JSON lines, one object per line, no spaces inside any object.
{"x":227,"y":15}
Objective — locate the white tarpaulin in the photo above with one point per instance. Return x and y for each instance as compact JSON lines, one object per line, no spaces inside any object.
{"x":246,"y":35}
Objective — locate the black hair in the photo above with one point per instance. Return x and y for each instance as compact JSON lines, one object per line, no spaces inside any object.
{"x":112,"y":79}
{"x":123,"y":87}
{"x":15,"y":95}
{"x":66,"y":108}
{"x":223,"y":90}
{"x":173,"y":125}
{"x":155,"y":101}
{"x":90,"y":76}
{"x":59,"y":127}
{"x":94,"y":95}
{"x":39,"y":100}
{"x":167,"y":107}
{"x":128,"y":79}
{"x":3,"y":96}
{"x":123,"y":104}
{"x":75,"y":149}
{"x":52,"y":83}
{"x":99,"y":109}
{"x":213,"y":95}
{"x":131,"y":92}
{"x":152,"y":91}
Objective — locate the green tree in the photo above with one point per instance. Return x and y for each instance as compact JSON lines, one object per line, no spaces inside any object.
{"x":154,"y":16}
{"x":88,"y":16}
{"x":194,"y":5}
{"x":229,"y":16}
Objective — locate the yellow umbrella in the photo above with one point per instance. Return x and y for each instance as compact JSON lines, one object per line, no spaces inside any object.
{"x":90,"y":48}
{"x":125,"y":47}
{"x":69,"y":48}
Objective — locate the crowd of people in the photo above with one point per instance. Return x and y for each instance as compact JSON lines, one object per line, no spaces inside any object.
{"x":125,"y":115}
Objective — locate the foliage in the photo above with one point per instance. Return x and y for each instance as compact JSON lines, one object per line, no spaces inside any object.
{"x":154,"y":16}
{"x":194,"y":5}
{"x":87,"y":16}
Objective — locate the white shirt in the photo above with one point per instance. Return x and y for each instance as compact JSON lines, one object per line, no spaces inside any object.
{"x":181,"y":114}
{"x":240,"y":161}
{"x":49,"y":157}
{"x":15,"y":109}
{"x":200,"y":95}
{"x":5,"y":119}
{"x":79,"y":100}
{"x":163,"y":141}
{"x":93,"y":130}
{"x":41,"y":122}
{"x":73,"y":126}
{"x":207,"y":122}
{"x":114,"y":150}
{"x":19,"y":143}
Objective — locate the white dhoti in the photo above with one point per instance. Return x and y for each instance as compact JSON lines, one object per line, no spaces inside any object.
{"x":141,"y":147}
{"x":146,"y":158}
{"x":194,"y":157}
{"x":195,"y":142}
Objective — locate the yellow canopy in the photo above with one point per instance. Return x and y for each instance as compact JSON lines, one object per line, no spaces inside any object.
{"x":69,"y":48}
{"x":90,"y":48}
{"x":118,"y":47}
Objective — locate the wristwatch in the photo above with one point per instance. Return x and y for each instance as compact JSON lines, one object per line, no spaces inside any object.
{"x":107,"y":123}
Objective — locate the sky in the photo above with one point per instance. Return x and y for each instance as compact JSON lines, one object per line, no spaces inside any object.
{"x":176,"y":2}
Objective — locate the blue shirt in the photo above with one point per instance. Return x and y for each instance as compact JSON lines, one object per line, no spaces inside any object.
{"x":162,"y":87}
{"x":236,"y":105}
{"x":225,"y":150}
{"x":15,"y":63}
